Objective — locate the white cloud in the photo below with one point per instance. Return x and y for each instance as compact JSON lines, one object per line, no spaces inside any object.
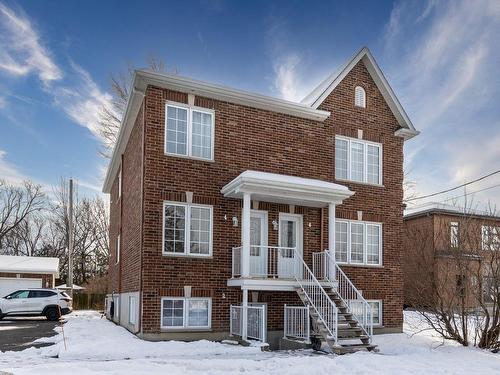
{"x":82,"y":99}
{"x":446,"y":75}
{"x":286,"y":81}
{"x":10,"y":172}
{"x":21,"y":51}
{"x":3,"y":102}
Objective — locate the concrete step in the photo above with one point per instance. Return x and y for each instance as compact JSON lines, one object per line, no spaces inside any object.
{"x":344,"y":349}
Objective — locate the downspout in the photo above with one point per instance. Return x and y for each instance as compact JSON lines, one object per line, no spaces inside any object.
{"x":142,"y":213}
{"x":321,"y":230}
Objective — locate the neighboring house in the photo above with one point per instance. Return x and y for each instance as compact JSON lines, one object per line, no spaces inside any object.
{"x":18,"y":272}
{"x":448,"y":254}
{"x":220,"y":198}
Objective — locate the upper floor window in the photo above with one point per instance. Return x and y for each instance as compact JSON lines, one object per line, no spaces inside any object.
{"x":358,"y":160}
{"x":120,"y":182}
{"x":454,"y":234}
{"x":117,"y":249}
{"x":189,"y":131}
{"x":490,"y":238}
{"x":187,"y":229}
{"x":358,"y":242}
{"x":359,"y":97}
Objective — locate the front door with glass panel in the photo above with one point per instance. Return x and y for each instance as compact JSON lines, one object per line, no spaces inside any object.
{"x":290,"y":236}
{"x":258,"y":243}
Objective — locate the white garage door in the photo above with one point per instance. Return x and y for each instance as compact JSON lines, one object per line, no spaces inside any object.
{"x":9,"y":285}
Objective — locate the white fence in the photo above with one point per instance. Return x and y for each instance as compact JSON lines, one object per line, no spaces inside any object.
{"x":256,"y":326}
{"x":297,"y":323}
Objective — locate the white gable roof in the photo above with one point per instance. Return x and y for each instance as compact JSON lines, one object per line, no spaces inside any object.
{"x":23,"y":264}
{"x":325,"y":88}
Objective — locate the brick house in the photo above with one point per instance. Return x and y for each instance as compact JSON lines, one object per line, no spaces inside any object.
{"x":223,"y":201}
{"x":447,"y":255}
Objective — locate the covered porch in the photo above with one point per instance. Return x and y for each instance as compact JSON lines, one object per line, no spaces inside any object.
{"x":257,"y":266}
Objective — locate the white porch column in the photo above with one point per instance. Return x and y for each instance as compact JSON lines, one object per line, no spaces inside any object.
{"x":244,"y":315}
{"x":245,"y":235}
{"x":331,"y":239}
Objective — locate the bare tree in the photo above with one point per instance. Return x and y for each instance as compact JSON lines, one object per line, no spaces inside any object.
{"x":452,"y":276}
{"x":16,"y":204}
{"x":111,"y":115}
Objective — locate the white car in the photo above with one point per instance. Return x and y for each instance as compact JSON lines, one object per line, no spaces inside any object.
{"x":33,"y":302}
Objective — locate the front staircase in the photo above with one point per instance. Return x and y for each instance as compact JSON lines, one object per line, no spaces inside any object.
{"x":339,"y":315}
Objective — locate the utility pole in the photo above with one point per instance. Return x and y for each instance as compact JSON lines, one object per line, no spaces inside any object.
{"x":69,"y":282}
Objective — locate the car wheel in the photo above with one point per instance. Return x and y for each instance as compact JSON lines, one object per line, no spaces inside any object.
{"x":1,"y":315}
{"x":52,"y":314}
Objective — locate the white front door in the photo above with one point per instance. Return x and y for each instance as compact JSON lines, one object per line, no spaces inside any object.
{"x":258,"y":243}
{"x":290,"y":235}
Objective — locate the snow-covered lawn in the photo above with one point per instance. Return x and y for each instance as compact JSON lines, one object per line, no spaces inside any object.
{"x":96,"y":346}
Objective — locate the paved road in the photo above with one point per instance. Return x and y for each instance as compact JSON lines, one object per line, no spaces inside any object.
{"x":19,"y":333}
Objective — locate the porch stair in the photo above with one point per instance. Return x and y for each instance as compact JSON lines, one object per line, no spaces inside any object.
{"x":351,"y":337}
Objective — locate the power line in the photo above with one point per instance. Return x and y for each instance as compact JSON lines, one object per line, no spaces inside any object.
{"x":472,"y":192}
{"x":455,"y":188}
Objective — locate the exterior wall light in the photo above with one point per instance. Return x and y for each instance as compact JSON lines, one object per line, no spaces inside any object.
{"x":235,"y":221}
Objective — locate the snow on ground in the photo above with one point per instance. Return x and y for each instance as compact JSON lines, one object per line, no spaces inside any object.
{"x":97,"y":346}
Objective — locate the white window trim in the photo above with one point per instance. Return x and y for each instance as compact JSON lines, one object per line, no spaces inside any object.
{"x":454,"y":241}
{"x":185,"y":315}
{"x":118,"y":249}
{"x":189,"y":129}
{"x":380,"y":311}
{"x":486,"y":243}
{"x":187,"y":230}
{"x":120,"y":182}
{"x":364,"y":97}
{"x":132,"y":312}
{"x":365,"y":237}
{"x":365,"y":160}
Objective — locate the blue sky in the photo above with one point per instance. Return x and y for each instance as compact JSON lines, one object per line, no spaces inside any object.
{"x":441,"y":58}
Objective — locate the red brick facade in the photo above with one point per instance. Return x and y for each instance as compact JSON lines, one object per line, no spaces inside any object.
{"x":251,"y":139}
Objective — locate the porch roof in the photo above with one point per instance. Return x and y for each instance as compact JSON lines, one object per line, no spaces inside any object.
{"x":279,"y":188}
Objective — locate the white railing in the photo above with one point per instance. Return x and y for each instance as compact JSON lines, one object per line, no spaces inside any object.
{"x":317,"y":298}
{"x":256,"y":322}
{"x":348,"y":293}
{"x":266,"y":262}
{"x":297,"y":323}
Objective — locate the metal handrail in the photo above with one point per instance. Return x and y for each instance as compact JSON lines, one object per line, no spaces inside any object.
{"x":349,"y":294}
{"x":317,"y":297}
{"x":296,"y":323}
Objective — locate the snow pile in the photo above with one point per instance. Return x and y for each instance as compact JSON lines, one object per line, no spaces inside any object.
{"x":96,"y":346}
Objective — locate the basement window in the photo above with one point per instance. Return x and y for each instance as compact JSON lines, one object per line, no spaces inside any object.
{"x":186,"y":313}
{"x":189,"y":131}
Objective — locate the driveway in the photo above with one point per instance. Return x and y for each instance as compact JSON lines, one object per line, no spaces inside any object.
{"x":19,"y":333}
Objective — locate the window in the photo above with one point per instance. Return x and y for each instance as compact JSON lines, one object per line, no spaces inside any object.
{"x":120,"y":182}
{"x":186,"y":312}
{"x":41,"y":294}
{"x":131,"y":310}
{"x":454,"y":234}
{"x":376,"y":306}
{"x":358,"y":242}
{"x":117,"y":255}
{"x":189,"y":131}
{"x":461,"y":285}
{"x":490,"y":238}
{"x":358,"y":160}
{"x":187,"y":229}
{"x":359,"y":97}
{"x":19,"y":294}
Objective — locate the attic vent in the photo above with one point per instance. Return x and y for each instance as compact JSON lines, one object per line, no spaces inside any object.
{"x":359,"y":97}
